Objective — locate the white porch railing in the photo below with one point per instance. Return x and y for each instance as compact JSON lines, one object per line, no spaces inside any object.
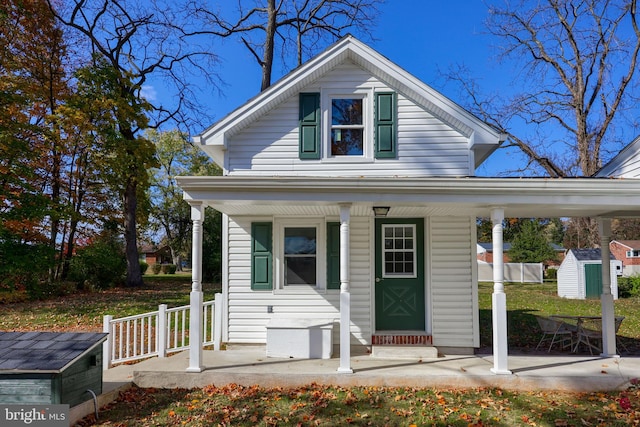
{"x":158,"y":333}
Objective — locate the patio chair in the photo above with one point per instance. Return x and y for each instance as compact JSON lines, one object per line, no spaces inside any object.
{"x":555,"y":330}
{"x":619,"y":342}
{"x":590,"y":334}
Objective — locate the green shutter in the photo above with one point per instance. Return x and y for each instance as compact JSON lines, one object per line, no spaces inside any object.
{"x":261,"y":256}
{"x":309,"y":126}
{"x":333,"y":255}
{"x":385,"y":125}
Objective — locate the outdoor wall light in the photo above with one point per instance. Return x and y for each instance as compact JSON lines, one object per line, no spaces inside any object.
{"x":381,"y":210}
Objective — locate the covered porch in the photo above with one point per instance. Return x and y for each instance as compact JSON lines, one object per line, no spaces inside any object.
{"x":407,"y":197}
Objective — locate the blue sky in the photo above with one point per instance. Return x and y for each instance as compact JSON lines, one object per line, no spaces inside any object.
{"x":422,"y":36}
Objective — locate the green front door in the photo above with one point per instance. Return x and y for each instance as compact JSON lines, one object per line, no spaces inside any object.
{"x":593,"y":280}
{"x":399,"y":282}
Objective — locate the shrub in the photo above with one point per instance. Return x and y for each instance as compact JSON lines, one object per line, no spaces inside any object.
{"x":13,"y":297}
{"x":143,"y":267}
{"x":155,"y":268}
{"x":101,"y":264}
{"x":169,"y":268}
{"x":24,"y":268}
{"x":551,"y":273}
{"x":629,"y":286}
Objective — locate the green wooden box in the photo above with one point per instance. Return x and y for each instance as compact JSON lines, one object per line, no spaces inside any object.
{"x":50,"y":367}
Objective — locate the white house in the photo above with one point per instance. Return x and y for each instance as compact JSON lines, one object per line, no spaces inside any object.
{"x":580,"y":274}
{"x":349,"y":199}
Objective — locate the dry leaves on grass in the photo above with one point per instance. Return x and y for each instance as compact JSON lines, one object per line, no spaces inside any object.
{"x":319,"y":405}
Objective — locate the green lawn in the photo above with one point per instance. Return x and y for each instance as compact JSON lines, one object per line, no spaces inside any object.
{"x":84,"y":311}
{"x":524,"y":301}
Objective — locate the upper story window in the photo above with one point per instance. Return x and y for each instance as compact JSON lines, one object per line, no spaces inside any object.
{"x":347,"y":127}
{"x":633,"y":254}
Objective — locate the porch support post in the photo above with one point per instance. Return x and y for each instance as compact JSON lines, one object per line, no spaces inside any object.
{"x":499,"y":298}
{"x":196,"y":296}
{"x":345,"y":295}
{"x":606,"y":298}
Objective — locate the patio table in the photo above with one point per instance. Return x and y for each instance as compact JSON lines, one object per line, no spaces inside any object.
{"x":588,"y":330}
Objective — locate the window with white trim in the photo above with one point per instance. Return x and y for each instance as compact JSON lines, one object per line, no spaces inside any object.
{"x":399,"y":250}
{"x":300,"y":253}
{"x":633,"y":253}
{"x":347,"y":127}
{"x":300,"y":256}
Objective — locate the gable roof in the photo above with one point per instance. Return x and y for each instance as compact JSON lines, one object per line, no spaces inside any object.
{"x":484,"y":137}
{"x":591,"y":254}
{"x":624,"y":163}
{"x":631,"y":244}
{"x":488,"y":246}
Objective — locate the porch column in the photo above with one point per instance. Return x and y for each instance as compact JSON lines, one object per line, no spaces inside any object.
{"x":196,"y":296}
{"x":606,"y":299}
{"x":345,"y":295}
{"x":499,"y":298}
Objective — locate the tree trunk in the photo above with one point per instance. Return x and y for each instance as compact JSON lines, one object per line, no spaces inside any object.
{"x":269,"y":42}
{"x":175,"y":259}
{"x":134,"y":274}
{"x":68,"y":254}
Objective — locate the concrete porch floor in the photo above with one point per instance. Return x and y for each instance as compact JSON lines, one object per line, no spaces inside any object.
{"x":249,"y":366}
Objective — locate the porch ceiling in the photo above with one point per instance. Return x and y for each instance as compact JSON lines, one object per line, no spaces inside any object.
{"x":519,"y":197}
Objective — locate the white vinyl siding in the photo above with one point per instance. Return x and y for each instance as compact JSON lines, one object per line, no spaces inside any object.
{"x":626,"y":164}
{"x":426,"y":145}
{"x":568,"y":277}
{"x":453,"y":291}
{"x":629,"y":169}
{"x":247,"y":309}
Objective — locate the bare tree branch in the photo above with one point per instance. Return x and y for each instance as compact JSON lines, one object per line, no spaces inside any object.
{"x":579,"y":78}
{"x":302,"y":26}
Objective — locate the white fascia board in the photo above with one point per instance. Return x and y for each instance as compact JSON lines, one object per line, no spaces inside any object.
{"x":214,"y":151}
{"x":620,"y":243}
{"x":576,"y":192}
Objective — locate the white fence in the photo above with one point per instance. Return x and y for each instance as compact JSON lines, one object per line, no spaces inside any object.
{"x":513,"y":272}
{"x":138,"y":337}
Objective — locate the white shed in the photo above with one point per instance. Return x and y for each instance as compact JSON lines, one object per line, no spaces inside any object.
{"x":580,"y":274}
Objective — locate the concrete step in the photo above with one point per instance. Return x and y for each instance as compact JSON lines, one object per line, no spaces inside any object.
{"x":404,"y":352}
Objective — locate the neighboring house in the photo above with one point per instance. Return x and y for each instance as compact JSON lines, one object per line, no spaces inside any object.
{"x":580,"y":274}
{"x":153,"y":255}
{"x":627,"y":251}
{"x":349,"y":202}
{"x":485,"y":252}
